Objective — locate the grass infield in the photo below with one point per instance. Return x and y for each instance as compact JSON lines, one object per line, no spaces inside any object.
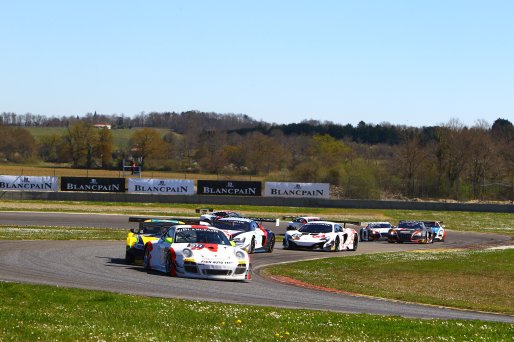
{"x":468,"y":279}
{"x":30,"y":313}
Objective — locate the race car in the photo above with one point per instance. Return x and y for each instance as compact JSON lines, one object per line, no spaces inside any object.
{"x":247,"y":233}
{"x":374,"y":231}
{"x":322,"y":235}
{"x":197,"y":251}
{"x":438,"y":229}
{"x":411,"y":231}
{"x":299,"y":221}
{"x":148,"y":230}
{"x":216,"y":215}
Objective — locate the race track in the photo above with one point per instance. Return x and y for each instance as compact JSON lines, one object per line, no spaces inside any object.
{"x":100,"y":265}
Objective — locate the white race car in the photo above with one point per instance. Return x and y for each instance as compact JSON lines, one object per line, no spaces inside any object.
{"x":322,"y":235}
{"x":374,"y":231}
{"x":211,"y":217}
{"x":247,"y":233}
{"x":197,"y":251}
{"x":299,"y":221}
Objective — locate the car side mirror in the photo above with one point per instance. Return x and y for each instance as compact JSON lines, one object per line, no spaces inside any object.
{"x":232,"y":243}
{"x":169,"y":240}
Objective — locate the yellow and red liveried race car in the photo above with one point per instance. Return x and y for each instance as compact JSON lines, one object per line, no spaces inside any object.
{"x":148,"y":230}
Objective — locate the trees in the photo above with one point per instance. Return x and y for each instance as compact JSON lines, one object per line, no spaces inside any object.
{"x":146,"y":143}
{"x":85,"y":146}
{"x":16,"y":144}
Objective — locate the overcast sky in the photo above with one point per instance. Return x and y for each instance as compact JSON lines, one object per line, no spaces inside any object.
{"x":417,"y":63}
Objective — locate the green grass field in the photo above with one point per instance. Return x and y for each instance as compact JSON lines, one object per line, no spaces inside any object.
{"x":30,"y":313}
{"x":467,"y":279}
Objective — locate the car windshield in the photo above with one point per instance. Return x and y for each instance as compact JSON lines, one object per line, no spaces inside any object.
{"x":316,"y":228}
{"x":242,"y":226}
{"x":154,"y":227}
{"x":192,"y":235}
{"x":380,"y":225}
{"x":410,"y":225}
{"x":430,"y":224}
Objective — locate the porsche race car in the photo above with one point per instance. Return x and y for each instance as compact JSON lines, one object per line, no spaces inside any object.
{"x":148,"y":230}
{"x":438,"y":229}
{"x":322,"y":235}
{"x":411,"y":231}
{"x":197,"y":251}
{"x":247,"y":233}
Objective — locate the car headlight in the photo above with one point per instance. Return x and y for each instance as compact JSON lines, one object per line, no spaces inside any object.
{"x":417,"y":232}
{"x":240,"y":255}
{"x":187,"y":253}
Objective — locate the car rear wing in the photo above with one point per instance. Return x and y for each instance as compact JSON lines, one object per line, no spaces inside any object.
{"x":204,"y":210}
{"x":186,"y":220}
{"x":344,"y":223}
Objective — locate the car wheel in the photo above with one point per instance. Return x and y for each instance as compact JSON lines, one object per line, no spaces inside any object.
{"x":146,"y":259}
{"x":271,"y":244}
{"x":129,"y":257}
{"x":251,"y":248}
{"x":336,"y":245}
{"x":170,"y":268}
{"x":355,"y":242}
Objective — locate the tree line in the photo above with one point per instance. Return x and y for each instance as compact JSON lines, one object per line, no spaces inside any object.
{"x":367,"y":161}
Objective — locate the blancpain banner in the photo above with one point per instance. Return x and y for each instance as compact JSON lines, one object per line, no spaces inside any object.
{"x":161,"y":186}
{"x":284,"y":189}
{"x":28,"y":183}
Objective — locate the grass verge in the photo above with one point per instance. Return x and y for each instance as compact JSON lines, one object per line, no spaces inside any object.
{"x":500,"y":223}
{"x":468,"y":279}
{"x":29,"y":313}
{"x":13,"y":232}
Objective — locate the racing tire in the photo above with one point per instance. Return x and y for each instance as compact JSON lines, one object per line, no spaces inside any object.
{"x":271,"y":244}
{"x":146,"y":259}
{"x":251,"y":248}
{"x":336,"y":245}
{"x":169,"y":265}
{"x":129,"y":257}
{"x":355,"y":243}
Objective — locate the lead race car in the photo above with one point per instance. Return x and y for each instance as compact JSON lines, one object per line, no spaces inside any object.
{"x":322,"y":235}
{"x":197,"y":251}
{"x":248,"y":233}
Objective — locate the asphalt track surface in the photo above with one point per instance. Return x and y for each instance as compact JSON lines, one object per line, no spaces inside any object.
{"x":100,"y":265}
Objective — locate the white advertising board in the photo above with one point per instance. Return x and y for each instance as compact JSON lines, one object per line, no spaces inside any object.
{"x":161,"y":186}
{"x":287,"y":189}
{"x":28,"y":183}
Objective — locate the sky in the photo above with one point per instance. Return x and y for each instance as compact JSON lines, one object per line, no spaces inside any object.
{"x":414,"y":63}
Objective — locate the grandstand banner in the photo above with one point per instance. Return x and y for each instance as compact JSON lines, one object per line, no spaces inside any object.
{"x":29,"y":183}
{"x":287,"y":189}
{"x":92,"y":184}
{"x":161,"y":186}
{"x":228,"y":188}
